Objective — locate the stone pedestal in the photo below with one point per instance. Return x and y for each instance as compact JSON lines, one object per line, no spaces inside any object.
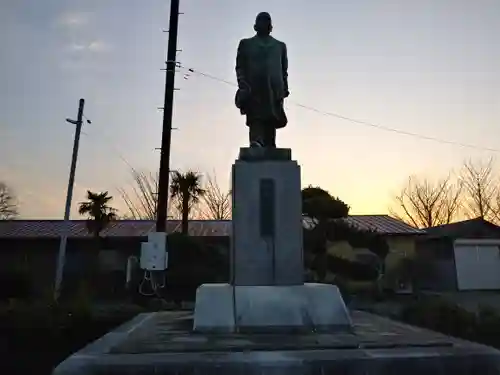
{"x":266,"y":291}
{"x":270,"y":309}
{"x":266,"y":241}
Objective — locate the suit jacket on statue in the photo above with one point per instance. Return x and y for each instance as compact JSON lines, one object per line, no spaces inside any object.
{"x":262,"y":74}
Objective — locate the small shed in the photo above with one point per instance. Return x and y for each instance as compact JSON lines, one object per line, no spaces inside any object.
{"x":462,"y":256}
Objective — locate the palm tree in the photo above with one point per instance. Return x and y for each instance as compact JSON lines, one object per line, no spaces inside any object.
{"x":99,"y":213}
{"x":186,"y":188}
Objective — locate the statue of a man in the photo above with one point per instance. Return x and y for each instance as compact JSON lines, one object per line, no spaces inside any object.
{"x":262,"y":74}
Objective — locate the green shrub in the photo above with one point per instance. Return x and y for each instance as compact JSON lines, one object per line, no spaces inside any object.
{"x":488,"y":329}
{"x":46,"y":332}
{"x":15,"y":283}
{"x":80,"y":303}
{"x":192,"y":263}
{"x":448,"y":318}
{"x":442,"y":316}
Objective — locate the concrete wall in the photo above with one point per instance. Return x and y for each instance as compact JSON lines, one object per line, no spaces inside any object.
{"x":443,"y":277}
{"x":437,"y":253}
{"x":38,"y":258}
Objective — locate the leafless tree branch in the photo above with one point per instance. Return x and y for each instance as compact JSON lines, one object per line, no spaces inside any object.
{"x":216,"y":203}
{"x":481,"y":190}
{"x":425,"y":204}
{"x":8,"y":203}
{"x":141,"y":198}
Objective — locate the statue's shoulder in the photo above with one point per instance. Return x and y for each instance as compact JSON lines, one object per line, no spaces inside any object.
{"x":245,"y":41}
{"x":282,"y":44}
{"x":255,"y":40}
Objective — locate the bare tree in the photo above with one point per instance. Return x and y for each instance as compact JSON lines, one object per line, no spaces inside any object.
{"x":8,"y":203}
{"x":425,"y":204}
{"x":481,"y":193}
{"x":216,"y":203}
{"x":142,"y":198}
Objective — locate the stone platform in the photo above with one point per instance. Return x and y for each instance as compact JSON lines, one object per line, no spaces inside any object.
{"x":308,"y":308}
{"x":162,"y":343}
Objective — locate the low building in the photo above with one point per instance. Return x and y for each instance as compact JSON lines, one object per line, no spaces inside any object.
{"x":461,"y":256}
{"x":32,"y":245}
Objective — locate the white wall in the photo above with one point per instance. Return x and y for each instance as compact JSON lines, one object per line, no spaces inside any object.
{"x":477,"y":264}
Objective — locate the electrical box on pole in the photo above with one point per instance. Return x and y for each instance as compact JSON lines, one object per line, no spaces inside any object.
{"x":154,"y":254}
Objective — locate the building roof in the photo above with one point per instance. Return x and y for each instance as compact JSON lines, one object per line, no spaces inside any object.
{"x":383,"y":224}
{"x":473,"y":228}
{"x":118,"y":228}
{"x":140,"y":228}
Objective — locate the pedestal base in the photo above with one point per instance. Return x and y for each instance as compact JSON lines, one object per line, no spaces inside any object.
{"x":162,"y":343}
{"x":291,"y":308}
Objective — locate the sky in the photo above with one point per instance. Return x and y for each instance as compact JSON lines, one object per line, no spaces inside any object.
{"x":429,"y":67}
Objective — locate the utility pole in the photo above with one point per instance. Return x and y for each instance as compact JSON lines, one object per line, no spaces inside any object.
{"x":163,"y":185}
{"x":69,"y":195}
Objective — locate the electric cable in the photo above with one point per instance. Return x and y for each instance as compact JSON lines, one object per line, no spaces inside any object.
{"x":353,"y":120}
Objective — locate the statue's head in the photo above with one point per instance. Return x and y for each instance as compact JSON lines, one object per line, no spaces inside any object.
{"x":263,"y":24}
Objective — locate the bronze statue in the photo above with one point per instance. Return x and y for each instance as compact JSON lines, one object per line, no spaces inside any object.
{"x":262,"y":74}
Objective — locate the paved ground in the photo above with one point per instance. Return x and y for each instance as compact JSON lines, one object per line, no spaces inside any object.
{"x":162,"y":343}
{"x":170,"y":332}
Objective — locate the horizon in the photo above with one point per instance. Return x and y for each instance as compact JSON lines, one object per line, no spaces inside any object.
{"x":153,"y":220}
{"x":419,"y":70}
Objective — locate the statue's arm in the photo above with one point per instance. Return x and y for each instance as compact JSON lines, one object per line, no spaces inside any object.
{"x":284,"y":66}
{"x":240,"y":65}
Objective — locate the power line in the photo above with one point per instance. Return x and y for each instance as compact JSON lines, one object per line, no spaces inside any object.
{"x":113,"y":146}
{"x":359,"y":122}
{"x":397,"y":131}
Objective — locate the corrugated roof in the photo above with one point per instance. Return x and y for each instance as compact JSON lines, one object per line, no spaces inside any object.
{"x":384,"y":224}
{"x":138,"y":228}
{"x":119,"y":228}
{"x":472,"y":228}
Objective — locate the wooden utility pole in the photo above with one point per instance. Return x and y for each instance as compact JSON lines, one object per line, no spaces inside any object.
{"x":163,"y":184}
{"x":64,"y":236}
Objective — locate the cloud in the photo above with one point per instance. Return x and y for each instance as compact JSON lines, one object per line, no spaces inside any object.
{"x":77,"y":35}
{"x":73,"y":19}
{"x":98,"y":46}
{"x":77,"y":47}
{"x":72,"y":65}
{"x":95,"y":46}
